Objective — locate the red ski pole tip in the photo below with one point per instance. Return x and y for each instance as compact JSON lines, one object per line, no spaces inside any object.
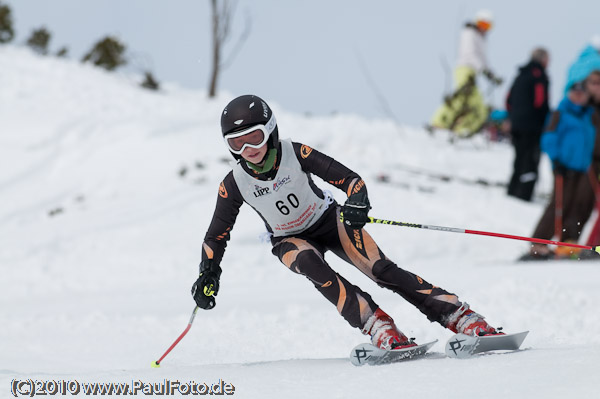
{"x":155,"y":364}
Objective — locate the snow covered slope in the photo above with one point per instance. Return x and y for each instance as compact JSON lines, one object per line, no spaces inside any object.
{"x":106,"y":191}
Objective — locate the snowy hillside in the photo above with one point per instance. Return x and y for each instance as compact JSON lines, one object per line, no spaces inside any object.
{"x":106,"y":191}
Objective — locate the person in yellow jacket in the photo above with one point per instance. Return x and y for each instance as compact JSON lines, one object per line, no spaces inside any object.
{"x":464,"y":111}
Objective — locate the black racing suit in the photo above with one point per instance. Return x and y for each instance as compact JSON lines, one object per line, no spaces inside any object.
{"x":304,"y":252}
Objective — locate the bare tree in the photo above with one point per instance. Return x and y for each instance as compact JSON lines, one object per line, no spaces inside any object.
{"x":221,"y":18}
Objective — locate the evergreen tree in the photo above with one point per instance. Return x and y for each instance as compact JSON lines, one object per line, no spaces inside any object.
{"x":150,"y":82}
{"x":6,"y":24}
{"x":107,"y":53}
{"x":39,"y":41}
{"x":62,"y":52}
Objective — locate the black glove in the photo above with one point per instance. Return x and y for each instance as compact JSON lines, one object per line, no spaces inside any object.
{"x":559,"y":168}
{"x":495,"y":80}
{"x":355,"y":210}
{"x":206,"y":287}
{"x":448,"y":100}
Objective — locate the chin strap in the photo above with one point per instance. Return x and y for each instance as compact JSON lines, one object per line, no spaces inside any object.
{"x":269,"y":162}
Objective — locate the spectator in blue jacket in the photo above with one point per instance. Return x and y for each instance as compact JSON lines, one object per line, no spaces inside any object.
{"x":569,"y":138}
{"x":569,"y":142}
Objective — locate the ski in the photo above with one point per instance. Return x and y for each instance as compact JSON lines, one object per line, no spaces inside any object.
{"x":583,"y":255}
{"x":462,"y":346}
{"x":368,"y":354}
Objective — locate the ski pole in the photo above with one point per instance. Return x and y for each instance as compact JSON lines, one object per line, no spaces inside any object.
{"x":483,"y":233}
{"x":558,"y":205}
{"x":156,"y":364}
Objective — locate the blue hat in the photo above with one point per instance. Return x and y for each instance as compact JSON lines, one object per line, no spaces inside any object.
{"x":588,"y":62}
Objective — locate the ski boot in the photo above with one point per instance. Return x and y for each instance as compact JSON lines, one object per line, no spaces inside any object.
{"x":563,"y":252}
{"x":465,"y":321}
{"x":538,"y":252}
{"x":384,"y":333}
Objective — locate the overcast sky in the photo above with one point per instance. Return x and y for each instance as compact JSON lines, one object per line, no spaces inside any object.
{"x":306,"y":55}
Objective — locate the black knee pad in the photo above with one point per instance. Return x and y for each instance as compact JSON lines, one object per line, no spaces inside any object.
{"x":383,"y":267}
{"x":309,"y":263}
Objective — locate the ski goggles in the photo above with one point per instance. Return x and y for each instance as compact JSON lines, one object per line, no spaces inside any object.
{"x":484,"y":25}
{"x":253,"y":137}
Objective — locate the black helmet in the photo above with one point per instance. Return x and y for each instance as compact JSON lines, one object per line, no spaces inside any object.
{"x":247,"y":111}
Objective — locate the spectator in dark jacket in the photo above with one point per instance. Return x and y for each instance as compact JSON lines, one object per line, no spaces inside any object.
{"x":527,"y":106}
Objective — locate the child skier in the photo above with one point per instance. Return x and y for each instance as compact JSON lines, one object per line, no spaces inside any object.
{"x":274,"y":177}
{"x":464,"y":111}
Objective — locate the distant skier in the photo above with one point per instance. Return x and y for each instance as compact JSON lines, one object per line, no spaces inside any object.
{"x":464,"y":111}
{"x":275,"y":178}
{"x":527,"y":105}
